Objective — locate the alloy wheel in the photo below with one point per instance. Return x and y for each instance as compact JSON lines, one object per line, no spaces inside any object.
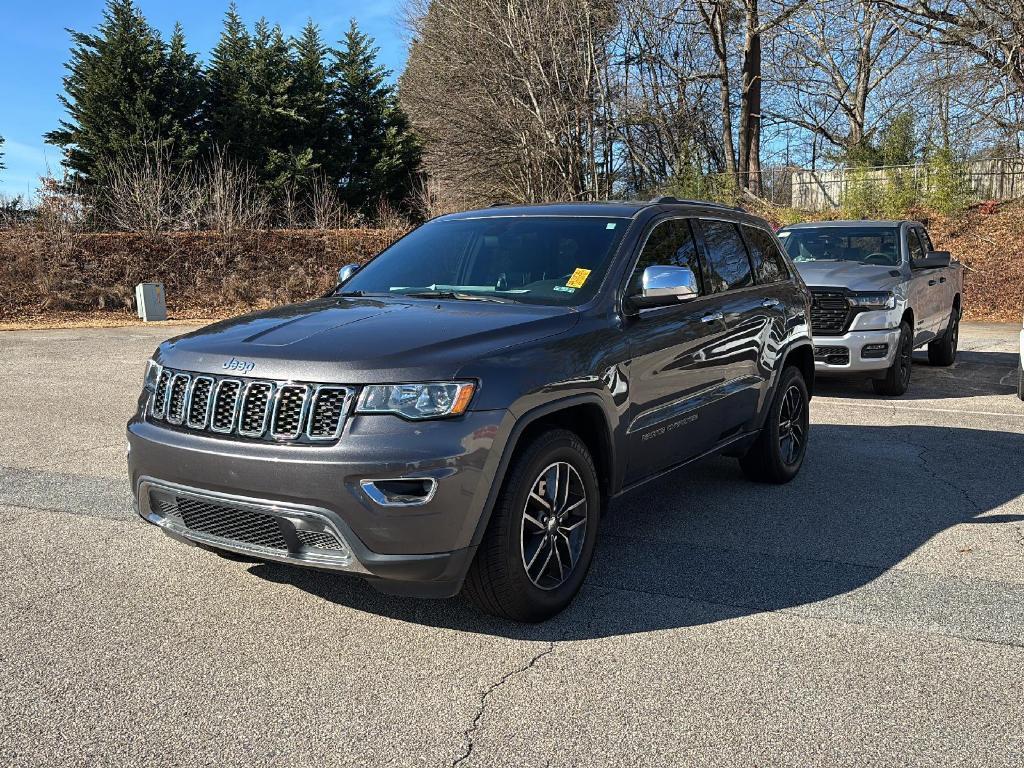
{"x":554,"y":525}
{"x":792,"y":425}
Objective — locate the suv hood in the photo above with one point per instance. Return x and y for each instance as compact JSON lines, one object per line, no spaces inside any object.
{"x":363,"y":340}
{"x":849,"y":274}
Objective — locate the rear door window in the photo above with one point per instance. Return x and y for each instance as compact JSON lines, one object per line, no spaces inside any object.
{"x":769,"y":264}
{"x":728,"y":266}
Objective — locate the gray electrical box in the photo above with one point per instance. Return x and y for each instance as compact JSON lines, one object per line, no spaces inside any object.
{"x":149,"y":298}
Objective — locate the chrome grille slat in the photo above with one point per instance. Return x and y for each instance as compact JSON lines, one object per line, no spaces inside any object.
{"x":258,"y":409}
{"x":177,"y":398}
{"x":160,"y":396}
{"x":289,"y":411}
{"x":225,"y":405}
{"x":199,"y":402}
{"x":327,"y":413}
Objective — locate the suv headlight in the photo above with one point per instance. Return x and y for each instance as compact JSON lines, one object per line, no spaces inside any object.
{"x":417,"y":401}
{"x":152,"y":377}
{"x":873,"y":300}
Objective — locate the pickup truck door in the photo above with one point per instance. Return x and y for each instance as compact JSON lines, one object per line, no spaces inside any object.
{"x":922,"y":288}
{"x":941,"y":285}
{"x":680,"y":356}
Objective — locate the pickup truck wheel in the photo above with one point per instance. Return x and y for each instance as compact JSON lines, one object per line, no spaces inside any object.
{"x":540,"y":539}
{"x":897,"y":376}
{"x":779,"y":451}
{"x":1020,"y":382}
{"x":943,"y":351}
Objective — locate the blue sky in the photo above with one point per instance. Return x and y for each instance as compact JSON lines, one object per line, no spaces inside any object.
{"x":34,"y":46}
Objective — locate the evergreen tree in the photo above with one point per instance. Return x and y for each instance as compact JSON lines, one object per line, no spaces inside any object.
{"x":249,"y":114}
{"x":310,"y":97}
{"x":116,"y":95}
{"x":2,"y":166}
{"x":376,"y":154}
{"x":229,"y":113}
{"x":181,"y":96}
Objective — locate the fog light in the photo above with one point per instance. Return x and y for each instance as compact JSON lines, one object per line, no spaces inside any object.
{"x":874,"y":351}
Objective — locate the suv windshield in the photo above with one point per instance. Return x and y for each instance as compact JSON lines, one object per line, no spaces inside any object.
{"x":529,"y":259}
{"x":866,"y":245}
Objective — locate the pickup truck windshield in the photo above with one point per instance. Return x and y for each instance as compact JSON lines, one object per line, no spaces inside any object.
{"x":530,"y":259}
{"x":866,"y":245}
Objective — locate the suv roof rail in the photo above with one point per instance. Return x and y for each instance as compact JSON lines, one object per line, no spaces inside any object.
{"x":670,"y":199}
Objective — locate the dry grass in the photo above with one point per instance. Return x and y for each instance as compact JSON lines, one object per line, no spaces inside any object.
{"x":206,"y":274}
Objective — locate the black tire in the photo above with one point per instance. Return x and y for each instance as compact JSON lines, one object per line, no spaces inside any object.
{"x":499,"y":581}
{"x":778,"y":453}
{"x":897,"y":376}
{"x":942,"y":351}
{"x":1020,"y":382}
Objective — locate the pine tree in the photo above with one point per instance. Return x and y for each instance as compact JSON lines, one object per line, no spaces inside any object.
{"x":279,"y":162}
{"x":115,"y":94}
{"x":376,"y":153}
{"x":181,"y":95}
{"x":310,"y":96}
{"x":229,"y":113}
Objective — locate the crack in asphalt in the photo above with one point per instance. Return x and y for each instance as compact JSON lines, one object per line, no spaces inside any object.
{"x":470,"y":732}
{"x":926,"y":464}
{"x":484,"y":695}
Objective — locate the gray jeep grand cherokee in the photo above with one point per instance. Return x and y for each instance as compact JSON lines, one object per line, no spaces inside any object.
{"x":458,"y":413}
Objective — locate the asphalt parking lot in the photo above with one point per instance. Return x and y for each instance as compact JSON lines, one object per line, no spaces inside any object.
{"x":869,"y":613}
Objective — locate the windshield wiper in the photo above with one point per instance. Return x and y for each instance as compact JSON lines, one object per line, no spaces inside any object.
{"x":353,"y":294}
{"x":456,"y":295}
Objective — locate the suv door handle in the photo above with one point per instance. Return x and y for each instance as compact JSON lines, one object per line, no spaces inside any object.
{"x":767,"y":303}
{"x":931,"y":282}
{"x":942,"y":279}
{"x":713,"y":317}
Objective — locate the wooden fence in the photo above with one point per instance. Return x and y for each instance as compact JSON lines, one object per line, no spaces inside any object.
{"x":1001,"y":179}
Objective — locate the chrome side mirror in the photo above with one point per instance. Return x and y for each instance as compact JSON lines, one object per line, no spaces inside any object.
{"x":346,"y":272}
{"x":662,"y":285}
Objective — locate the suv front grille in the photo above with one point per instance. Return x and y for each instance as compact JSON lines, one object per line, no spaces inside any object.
{"x":257,"y":409}
{"x":830,"y":313}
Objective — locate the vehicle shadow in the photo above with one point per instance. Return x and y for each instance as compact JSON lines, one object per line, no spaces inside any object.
{"x":973,"y":374}
{"x":704,"y":545}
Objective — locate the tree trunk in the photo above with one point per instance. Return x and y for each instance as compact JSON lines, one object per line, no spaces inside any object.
{"x":750,"y":103}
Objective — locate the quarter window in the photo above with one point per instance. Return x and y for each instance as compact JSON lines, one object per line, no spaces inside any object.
{"x":769,"y":265}
{"x":670,"y":243}
{"x":728,"y":266}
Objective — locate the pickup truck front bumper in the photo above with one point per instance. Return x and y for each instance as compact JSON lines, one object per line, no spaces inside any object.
{"x":855,"y":352}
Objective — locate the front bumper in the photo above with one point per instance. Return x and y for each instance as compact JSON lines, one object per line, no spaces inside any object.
{"x":309,"y":491}
{"x":848,"y":357}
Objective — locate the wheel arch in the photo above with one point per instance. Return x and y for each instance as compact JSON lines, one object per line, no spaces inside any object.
{"x":584,"y":415}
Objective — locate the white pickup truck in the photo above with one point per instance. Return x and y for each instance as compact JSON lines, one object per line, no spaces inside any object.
{"x":880,"y":291}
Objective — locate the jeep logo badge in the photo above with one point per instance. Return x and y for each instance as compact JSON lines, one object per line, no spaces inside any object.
{"x":242,"y":366}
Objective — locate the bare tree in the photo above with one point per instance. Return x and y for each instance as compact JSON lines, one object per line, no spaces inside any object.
{"x":233,"y":198}
{"x":508,"y":96}
{"x":146,"y":193}
{"x":836,"y":68}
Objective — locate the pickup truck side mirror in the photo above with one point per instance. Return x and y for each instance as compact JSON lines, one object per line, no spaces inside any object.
{"x":663,"y":285}
{"x":346,"y":272}
{"x":931,"y":260}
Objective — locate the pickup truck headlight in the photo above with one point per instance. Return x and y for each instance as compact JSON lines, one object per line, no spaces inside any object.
{"x":417,"y":401}
{"x":873,"y":300}
{"x":152,"y":377}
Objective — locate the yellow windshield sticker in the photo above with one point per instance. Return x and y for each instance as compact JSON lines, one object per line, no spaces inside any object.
{"x":578,"y":278}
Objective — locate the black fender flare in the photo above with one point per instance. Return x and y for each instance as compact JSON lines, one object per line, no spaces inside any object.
{"x":521,"y":424}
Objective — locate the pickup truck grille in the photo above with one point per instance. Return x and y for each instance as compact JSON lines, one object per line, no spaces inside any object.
{"x":830,"y":313}
{"x":250,"y":408}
